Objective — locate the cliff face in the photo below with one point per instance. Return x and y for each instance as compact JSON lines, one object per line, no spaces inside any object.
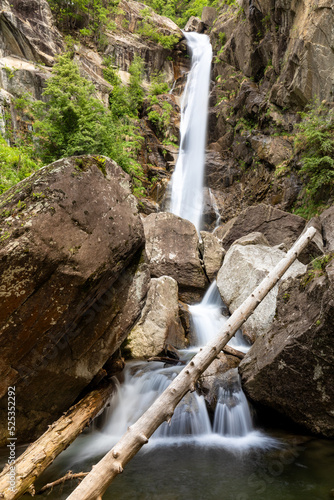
{"x":272,"y":58}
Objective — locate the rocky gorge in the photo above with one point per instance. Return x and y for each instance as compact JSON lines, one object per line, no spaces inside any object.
{"x":91,"y":273}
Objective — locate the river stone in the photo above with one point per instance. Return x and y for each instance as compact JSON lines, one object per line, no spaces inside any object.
{"x":245,"y":265}
{"x":72,"y":283}
{"x":290,"y":369}
{"x":159,"y":323}
{"x":327,"y":220}
{"x":194,"y":24}
{"x":276,"y":225}
{"x":212,"y":254}
{"x":172,"y":247}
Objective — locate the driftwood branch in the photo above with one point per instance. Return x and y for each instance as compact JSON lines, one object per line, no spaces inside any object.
{"x":68,"y":476}
{"x":234,"y":352}
{"x":168,"y":361}
{"x":40,"y":454}
{"x":112,"y":464}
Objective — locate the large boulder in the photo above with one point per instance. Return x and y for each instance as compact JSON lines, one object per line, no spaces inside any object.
{"x":194,"y":24}
{"x":72,"y":283}
{"x":276,"y":225}
{"x":245,"y":265}
{"x":159,"y":323}
{"x":172,"y":247}
{"x":290,"y":369}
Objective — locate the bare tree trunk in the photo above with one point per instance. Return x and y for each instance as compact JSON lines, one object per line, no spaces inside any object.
{"x":95,"y":484}
{"x":40,"y":454}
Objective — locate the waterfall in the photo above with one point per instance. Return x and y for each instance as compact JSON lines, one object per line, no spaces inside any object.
{"x":187,"y":180}
{"x":143,"y":382}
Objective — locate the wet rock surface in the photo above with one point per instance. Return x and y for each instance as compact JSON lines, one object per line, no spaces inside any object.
{"x":70,"y":254}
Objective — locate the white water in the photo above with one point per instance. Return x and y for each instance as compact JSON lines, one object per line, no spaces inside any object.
{"x":208,"y":319}
{"x":187,"y":180}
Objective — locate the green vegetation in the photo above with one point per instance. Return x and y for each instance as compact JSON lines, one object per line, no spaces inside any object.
{"x":316,"y":268}
{"x":15,"y":164}
{"x":158,"y":84}
{"x":315,"y":144}
{"x":160,"y":117}
{"x":89,"y":18}
{"x":73,"y":121}
{"x":148,"y":29}
{"x":180,"y":12}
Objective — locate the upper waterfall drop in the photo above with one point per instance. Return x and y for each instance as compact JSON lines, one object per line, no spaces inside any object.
{"x":187,"y":180}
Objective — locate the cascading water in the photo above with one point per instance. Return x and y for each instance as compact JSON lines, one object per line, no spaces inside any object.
{"x":232,"y":426}
{"x":208,"y":319}
{"x":144,"y":382}
{"x":187,"y":180}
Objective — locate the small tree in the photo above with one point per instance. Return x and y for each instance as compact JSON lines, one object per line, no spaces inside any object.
{"x":72,"y":121}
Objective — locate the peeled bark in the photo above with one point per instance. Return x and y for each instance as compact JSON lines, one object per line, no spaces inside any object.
{"x":95,"y":484}
{"x":40,"y":454}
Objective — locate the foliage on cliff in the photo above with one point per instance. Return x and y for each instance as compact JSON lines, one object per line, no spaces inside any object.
{"x":15,"y":164}
{"x":90,"y":18}
{"x":73,"y":121}
{"x":315,"y":144}
{"x":180,"y":12}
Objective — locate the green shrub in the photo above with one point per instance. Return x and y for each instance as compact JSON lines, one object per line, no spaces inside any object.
{"x":158,"y":84}
{"x":315,"y":144}
{"x":15,"y":164}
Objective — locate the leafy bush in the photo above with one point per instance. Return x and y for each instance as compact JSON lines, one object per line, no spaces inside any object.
{"x":161,"y":118}
{"x":315,"y":144}
{"x":15,"y":165}
{"x":180,"y":12}
{"x":148,"y":29}
{"x":158,"y":84}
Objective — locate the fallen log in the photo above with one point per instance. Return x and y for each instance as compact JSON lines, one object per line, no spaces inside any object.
{"x":234,"y":352}
{"x":95,"y":484}
{"x":40,"y":454}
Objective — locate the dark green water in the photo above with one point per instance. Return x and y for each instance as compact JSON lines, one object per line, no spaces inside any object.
{"x":200,"y":472}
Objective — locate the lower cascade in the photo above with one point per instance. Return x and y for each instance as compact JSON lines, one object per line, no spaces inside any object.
{"x":231,"y":426}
